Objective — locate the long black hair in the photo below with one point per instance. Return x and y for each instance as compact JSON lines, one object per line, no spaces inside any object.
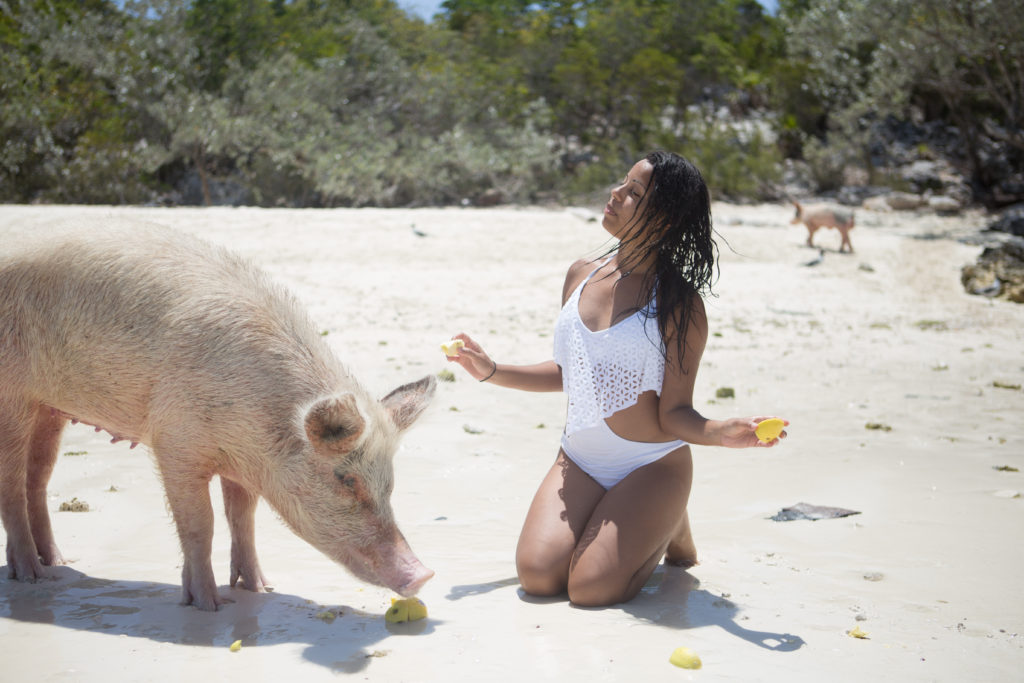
{"x":673,"y":221}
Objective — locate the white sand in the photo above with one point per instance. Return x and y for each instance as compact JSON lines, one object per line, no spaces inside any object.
{"x":930,"y":569}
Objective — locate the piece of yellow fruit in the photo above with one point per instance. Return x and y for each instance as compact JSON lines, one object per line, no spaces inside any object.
{"x":769,"y":430}
{"x":405,"y":609}
{"x":856,"y":632}
{"x":452,"y":347}
{"x":398,"y":612}
{"x":236,"y":646}
{"x":685,"y":658}
{"x":417,"y":610}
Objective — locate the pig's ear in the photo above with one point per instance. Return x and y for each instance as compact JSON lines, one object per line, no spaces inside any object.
{"x":334,"y":423}
{"x":407,"y":402}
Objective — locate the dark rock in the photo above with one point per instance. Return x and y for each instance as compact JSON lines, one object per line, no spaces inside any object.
{"x":811,"y":512}
{"x":999,"y":272}
{"x":923,"y":175}
{"x":223,"y":191}
{"x":1011,"y":221}
{"x":490,"y":197}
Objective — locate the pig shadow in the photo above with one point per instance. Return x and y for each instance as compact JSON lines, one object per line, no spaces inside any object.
{"x":339,"y":638}
{"x":672,"y":597}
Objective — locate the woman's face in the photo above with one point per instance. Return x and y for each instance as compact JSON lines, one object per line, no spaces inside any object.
{"x":620,"y":211}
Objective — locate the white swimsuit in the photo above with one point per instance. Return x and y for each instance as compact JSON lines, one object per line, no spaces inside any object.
{"x":602,"y":373}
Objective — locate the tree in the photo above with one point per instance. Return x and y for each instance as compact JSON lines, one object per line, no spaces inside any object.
{"x":959,"y":59}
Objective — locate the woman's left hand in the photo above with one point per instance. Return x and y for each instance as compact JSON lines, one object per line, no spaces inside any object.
{"x":738,"y":432}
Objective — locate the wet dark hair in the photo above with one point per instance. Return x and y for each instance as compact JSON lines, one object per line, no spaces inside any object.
{"x":674,"y":221}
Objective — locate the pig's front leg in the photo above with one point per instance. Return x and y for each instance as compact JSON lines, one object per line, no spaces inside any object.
{"x":240,"y":508}
{"x":42,"y":457}
{"x":15,"y":433}
{"x":188,"y":494}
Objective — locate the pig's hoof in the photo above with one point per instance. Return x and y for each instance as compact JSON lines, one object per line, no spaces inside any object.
{"x":26,"y":570}
{"x":251,"y":580}
{"x":206,"y":603}
{"x":52,"y":557}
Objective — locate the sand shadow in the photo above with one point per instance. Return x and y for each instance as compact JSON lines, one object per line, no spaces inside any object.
{"x":340,"y":638}
{"x":672,"y":597}
{"x":467,"y":590}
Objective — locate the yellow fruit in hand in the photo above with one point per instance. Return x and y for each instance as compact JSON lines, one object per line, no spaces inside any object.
{"x":769,"y":430}
{"x":405,"y":609}
{"x":452,"y":347}
{"x":685,"y":658}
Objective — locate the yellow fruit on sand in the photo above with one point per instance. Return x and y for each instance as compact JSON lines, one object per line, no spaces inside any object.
{"x":685,"y":658}
{"x":405,"y":609}
{"x":417,"y":610}
{"x":769,"y":430}
{"x":856,"y":632}
{"x":236,"y":646}
{"x":452,"y":347}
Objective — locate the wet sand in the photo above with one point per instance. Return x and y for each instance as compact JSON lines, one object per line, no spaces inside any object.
{"x":884,"y":337}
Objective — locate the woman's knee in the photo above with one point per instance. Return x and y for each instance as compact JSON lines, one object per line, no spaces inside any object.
{"x":539,"y":577}
{"x":596,"y":591}
{"x":598,"y":583}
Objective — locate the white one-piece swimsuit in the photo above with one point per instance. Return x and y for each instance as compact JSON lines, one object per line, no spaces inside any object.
{"x":602,"y":373}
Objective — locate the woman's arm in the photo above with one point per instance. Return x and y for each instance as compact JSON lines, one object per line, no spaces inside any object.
{"x":545,"y":376}
{"x":676,"y":413}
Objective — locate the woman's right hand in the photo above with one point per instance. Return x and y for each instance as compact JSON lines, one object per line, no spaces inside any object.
{"x":473,"y":358}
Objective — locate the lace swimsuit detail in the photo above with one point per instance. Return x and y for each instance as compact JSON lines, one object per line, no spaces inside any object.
{"x":602,"y":373}
{"x":606,"y":371}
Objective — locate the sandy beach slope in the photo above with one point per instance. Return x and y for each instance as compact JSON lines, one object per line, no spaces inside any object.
{"x":930,"y":569}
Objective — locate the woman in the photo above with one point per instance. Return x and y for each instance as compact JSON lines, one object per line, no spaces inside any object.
{"x":628,"y":343}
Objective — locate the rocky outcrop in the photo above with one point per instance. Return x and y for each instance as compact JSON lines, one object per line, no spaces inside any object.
{"x":999,"y":272}
{"x":1011,"y":221}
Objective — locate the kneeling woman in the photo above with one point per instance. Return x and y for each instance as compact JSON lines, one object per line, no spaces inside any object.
{"x":628,"y":342}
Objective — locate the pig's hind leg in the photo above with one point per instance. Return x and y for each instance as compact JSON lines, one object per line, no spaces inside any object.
{"x":188,"y":494}
{"x":810,"y":234}
{"x":240,"y":508}
{"x":17,"y":420}
{"x":42,"y":456}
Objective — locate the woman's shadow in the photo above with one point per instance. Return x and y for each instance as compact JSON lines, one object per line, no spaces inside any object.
{"x":152,"y":611}
{"x":672,"y":597}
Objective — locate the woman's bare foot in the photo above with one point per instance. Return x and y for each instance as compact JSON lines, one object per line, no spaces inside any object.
{"x":681,"y":551}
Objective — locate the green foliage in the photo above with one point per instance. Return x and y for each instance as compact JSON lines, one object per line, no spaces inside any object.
{"x":355,"y":103}
{"x":956,"y":59}
{"x":827,"y":163}
{"x":737,"y":158}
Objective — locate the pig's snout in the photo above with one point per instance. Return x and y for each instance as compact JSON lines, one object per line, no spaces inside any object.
{"x":391,"y":564}
{"x":405,"y":574}
{"x":418,"y":576}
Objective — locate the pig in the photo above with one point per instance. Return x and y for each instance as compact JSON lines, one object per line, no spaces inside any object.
{"x":165,"y":340}
{"x":819,"y":216}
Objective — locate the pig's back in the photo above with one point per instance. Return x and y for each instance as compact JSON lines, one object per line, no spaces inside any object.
{"x":126,"y":321}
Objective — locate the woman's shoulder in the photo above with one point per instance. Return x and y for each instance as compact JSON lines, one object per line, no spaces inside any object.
{"x":580,"y":268}
{"x":577,"y":272}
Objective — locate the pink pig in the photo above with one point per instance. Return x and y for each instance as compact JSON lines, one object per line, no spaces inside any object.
{"x":821,"y":216}
{"x":165,"y":340}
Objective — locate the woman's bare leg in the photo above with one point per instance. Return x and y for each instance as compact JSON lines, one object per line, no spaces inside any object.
{"x":681,"y":551}
{"x":554,"y":525}
{"x":630,"y":529}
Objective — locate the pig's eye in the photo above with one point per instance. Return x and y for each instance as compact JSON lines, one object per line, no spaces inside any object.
{"x":348,"y":480}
